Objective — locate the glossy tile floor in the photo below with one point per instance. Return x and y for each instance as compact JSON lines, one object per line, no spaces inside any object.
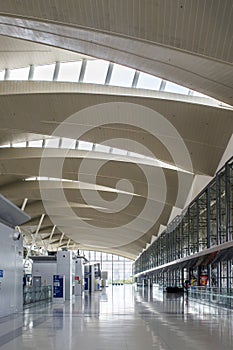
{"x":120,"y":318}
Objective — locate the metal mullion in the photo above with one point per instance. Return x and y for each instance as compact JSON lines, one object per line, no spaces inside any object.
{"x":82,"y":71}
{"x":227,"y":200}
{"x":31,"y":72}
{"x":56,"y":71}
{"x":208,"y":216}
{"x":198,"y":225}
{"x":228,"y":276}
{"x":7,"y":74}
{"x":188,"y":232}
{"x":109,"y":73}
{"x":218,"y":240}
{"x":162,"y":85}
{"x":135,"y":79}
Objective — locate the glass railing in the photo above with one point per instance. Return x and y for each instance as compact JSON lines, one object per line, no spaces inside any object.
{"x":34,"y":294}
{"x":212,"y":295}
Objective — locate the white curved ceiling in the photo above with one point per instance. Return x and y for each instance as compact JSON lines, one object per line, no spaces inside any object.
{"x":193,"y":46}
{"x":186,"y":43}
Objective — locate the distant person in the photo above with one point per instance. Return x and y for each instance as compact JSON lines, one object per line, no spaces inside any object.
{"x":186,"y":286}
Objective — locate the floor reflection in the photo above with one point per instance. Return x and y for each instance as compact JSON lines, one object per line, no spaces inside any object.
{"x":120,"y":317}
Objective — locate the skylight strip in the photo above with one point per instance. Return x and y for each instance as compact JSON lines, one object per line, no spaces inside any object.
{"x":2,"y":73}
{"x":116,"y":75}
{"x":119,"y":154}
{"x":19,"y":74}
{"x":122,"y":76}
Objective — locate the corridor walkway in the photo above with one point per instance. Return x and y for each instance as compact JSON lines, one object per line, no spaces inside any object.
{"x":120,"y":318}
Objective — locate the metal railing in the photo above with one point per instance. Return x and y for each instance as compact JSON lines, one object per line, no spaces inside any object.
{"x":212,"y":295}
{"x":34,"y":294}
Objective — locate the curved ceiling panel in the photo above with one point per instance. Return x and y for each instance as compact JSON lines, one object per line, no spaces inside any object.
{"x":181,"y":52}
{"x":205,"y":130}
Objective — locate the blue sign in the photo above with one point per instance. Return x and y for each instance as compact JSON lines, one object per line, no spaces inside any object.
{"x":1,"y":273}
{"x":86,"y":284}
{"x":58,"y":291}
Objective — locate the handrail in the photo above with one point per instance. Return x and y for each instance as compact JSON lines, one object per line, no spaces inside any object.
{"x":213,"y":295}
{"x":34,"y":294}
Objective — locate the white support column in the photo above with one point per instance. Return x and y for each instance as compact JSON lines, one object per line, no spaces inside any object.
{"x":24,"y":204}
{"x":51,"y":236}
{"x":62,"y":236}
{"x":35,"y":235}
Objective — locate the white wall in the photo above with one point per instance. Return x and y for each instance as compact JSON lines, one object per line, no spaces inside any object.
{"x":11,"y":262}
{"x":46,"y":270}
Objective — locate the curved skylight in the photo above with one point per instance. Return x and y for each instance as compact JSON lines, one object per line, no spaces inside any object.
{"x":96,"y":71}
{"x":112,"y":152}
{"x":80,"y":184}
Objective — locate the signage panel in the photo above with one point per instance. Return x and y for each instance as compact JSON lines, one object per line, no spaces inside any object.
{"x":58,"y":286}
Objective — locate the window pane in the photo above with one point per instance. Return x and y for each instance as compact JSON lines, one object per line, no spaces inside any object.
{"x":107,"y":266}
{"x":117,"y":272}
{"x":19,"y":74}
{"x":52,"y":143}
{"x":44,"y":73}
{"x":5,"y":146}
{"x":96,"y":72}
{"x":104,"y":256}
{"x":37,"y":143}
{"x":97,"y":256}
{"x":101,"y":148}
{"x":136,"y":155}
{"x":69,"y":71}
{"x":19,"y":144}
{"x":122,"y":76}
{"x":85,"y":146}
{"x":115,"y":257}
{"x":32,"y":178}
{"x":147,"y":81}
{"x":119,"y":151}
{"x":199,"y":94}
{"x":68,"y":143}
{"x":2,"y":74}
{"x":92,"y":256}
{"x":172,"y":87}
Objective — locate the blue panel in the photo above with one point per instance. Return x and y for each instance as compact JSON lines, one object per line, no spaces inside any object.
{"x":58,"y":286}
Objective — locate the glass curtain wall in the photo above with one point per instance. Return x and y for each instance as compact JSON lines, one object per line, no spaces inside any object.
{"x":119,"y":268}
{"x":207,"y":222}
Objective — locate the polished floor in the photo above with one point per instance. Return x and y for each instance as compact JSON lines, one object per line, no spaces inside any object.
{"x":120,"y":318}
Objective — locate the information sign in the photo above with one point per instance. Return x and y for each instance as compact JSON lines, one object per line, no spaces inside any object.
{"x":58,"y":286}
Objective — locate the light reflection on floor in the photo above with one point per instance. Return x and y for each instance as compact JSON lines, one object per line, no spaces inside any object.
{"x":120,"y":317}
